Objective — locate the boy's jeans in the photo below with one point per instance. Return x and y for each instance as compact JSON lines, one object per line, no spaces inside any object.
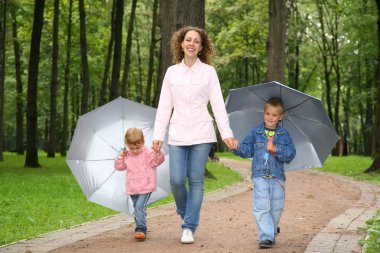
{"x":188,"y":162}
{"x":268,"y":204}
{"x":139,"y":203}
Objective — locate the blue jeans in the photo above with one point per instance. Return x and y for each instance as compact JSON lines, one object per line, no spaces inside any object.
{"x":188,"y":162}
{"x":268,"y":204}
{"x":139,"y":204}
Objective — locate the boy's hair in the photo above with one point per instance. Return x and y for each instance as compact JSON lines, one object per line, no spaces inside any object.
{"x":134,"y":136}
{"x":275,"y":102}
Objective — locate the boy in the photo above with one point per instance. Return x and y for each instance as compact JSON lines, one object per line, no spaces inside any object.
{"x":270,"y":146}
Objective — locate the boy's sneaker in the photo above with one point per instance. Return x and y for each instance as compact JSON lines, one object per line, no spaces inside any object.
{"x":140,"y":236}
{"x":266,"y":244}
{"x":187,"y":236}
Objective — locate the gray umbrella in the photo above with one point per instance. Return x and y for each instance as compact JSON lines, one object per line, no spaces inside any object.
{"x":305,"y":118}
{"x":98,"y":137}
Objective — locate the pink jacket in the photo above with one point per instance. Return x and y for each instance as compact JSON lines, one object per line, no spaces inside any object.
{"x":188,"y":91}
{"x":141,"y":170}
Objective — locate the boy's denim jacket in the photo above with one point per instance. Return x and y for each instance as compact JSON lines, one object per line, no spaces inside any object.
{"x":255,"y":145}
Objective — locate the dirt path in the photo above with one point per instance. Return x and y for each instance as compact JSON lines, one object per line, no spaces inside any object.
{"x":227,"y":225}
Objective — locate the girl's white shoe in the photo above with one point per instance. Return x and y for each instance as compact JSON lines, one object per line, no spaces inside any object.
{"x":187,"y":236}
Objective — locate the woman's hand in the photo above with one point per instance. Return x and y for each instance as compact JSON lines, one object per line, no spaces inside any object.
{"x":157,"y":145}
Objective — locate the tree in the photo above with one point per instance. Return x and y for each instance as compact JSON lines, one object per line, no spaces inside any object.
{"x":278,"y":14}
{"x":128,"y":48}
{"x":103,"y":88}
{"x":173,"y":16}
{"x":19,"y":98}
{"x":114,"y":88}
{"x":151,"y":54}
{"x":375,"y":166}
{"x":31,"y":159}
{"x":3,"y":28}
{"x":51,"y":149}
{"x":65,"y":120}
{"x":83,"y":50}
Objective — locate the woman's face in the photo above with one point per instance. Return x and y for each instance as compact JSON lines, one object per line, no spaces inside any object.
{"x":191,"y":44}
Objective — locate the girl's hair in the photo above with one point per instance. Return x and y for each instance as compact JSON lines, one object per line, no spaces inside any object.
{"x":275,"y":102}
{"x":178,"y":37}
{"x":134,"y":136}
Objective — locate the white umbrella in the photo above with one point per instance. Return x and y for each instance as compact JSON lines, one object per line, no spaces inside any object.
{"x":305,"y":119}
{"x":98,"y":137}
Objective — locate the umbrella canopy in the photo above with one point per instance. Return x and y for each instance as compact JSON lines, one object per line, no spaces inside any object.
{"x":305,"y":119}
{"x":98,"y":137}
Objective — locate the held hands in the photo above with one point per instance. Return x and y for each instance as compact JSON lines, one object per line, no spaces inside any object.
{"x":156,"y":146}
{"x":231,"y":143}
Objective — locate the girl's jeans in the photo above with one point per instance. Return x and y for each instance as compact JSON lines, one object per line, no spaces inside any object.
{"x":188,"y":162}
{"x":139,"y":203}
{"x":268,"y":204}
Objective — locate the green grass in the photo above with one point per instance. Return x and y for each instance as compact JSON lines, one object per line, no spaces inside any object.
{"x":351,"y":166}
{"x":37,"y":201}
{"x":354,"y":167}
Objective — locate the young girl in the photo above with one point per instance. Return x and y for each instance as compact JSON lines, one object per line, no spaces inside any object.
{"x":140,"y":163}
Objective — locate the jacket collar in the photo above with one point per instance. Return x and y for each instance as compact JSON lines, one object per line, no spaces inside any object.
{"x":279,"y":130}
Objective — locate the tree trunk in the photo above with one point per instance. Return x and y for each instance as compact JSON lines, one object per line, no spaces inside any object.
{"x":31,"y":159}
{"x":151,"y":54}
{"x":173,"y":16}
{"x":83,"y":51}
{"x":346,"y":123}
{"x":103,"y":89}
{"x":128,"y":48}
{"x":166,"y":28}
{"x":369,"y":115}
{"x":52,"y":146}
{"x":3,"y":29}
{"x":189,"y":12}
{"x":277,"y":40}
{"x":114,"y":88}
{"x":375,"y":166}
{"x":65,"y":123}
{"x":139,"y":89}
{"x":324,"y":48}
{"x":19,"y":98}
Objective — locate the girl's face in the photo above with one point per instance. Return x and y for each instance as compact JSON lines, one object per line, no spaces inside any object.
{"x":135,"y":149}
{"x":272,"y":115}
{"x":191,"y":44}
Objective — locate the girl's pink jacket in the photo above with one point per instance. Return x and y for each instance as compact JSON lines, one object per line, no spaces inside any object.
{"x":188,"y":91}
{"x":141,"y":170}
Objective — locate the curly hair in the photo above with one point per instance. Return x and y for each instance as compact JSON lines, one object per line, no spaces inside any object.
{"x":178,"y":37}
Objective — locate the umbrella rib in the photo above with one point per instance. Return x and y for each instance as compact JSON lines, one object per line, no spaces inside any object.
{"x":299,"y":130}
{"x":298,"y":104}
{"x":257,"y":95}
{"x":303,"y":117}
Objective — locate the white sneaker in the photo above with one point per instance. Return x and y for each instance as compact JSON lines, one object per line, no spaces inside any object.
{"x":187,"y":236}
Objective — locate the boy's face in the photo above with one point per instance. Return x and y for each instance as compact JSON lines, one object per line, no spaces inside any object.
{"x":272,"y":115}
{"x":135,"y":149}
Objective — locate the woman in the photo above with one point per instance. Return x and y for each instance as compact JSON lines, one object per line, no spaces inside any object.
{"x":188,"y":87}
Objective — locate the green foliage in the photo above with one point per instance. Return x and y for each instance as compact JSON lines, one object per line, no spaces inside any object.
{"x":371,"y":244}
{"x":37,"y":201}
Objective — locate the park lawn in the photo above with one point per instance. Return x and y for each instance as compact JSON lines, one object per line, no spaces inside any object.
{"x":34,"y":201}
